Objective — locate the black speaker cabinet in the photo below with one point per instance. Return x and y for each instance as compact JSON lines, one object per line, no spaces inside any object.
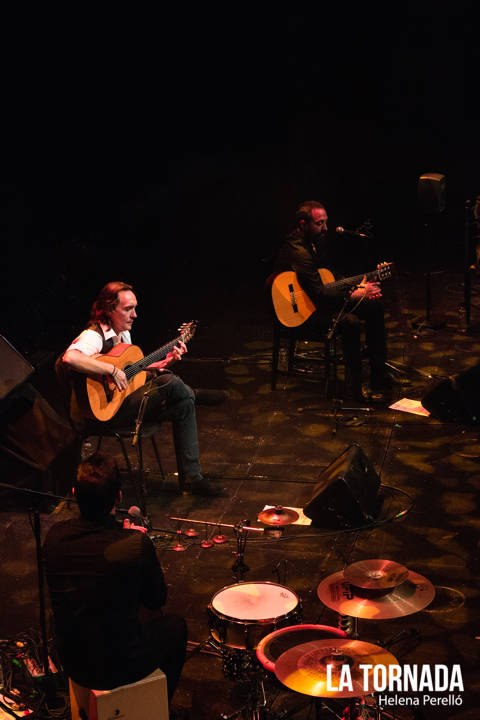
{"x":431,"y":193}
{"x":456,"y":399}
{"x":346,"y":495}
{"x":14,"y":369}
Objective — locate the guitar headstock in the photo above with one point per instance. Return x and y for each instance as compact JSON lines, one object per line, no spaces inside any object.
{"x":187,"y":330}
{"x":384,"y":270}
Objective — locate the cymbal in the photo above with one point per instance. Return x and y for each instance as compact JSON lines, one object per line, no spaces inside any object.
{"x":303,"y":668}
{"x":411,"y":596}
{"x":375,"y":574}
{"x":278,"y":515}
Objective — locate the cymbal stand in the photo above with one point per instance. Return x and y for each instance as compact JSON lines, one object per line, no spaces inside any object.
{"x":256,"y":704}
{"x":241,"y":535}
{"x":281,"y":575}
{"x":349,"y":624}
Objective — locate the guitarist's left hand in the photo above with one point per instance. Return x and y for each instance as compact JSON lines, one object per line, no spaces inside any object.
{"x":173,"y":355}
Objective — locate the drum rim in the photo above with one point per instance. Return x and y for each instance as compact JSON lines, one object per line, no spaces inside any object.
{"x":260,"y":649}
{"x":254,"y":621}
{"x":254,"y":582}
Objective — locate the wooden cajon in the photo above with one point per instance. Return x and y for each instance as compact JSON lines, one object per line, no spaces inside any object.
{"x":146,"y":699}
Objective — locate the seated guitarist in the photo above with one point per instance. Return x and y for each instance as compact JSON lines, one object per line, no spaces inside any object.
{"x":111,"y":320}
{"x":304,"y":251}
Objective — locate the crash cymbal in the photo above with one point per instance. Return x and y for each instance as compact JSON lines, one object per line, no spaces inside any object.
{"x":375,"y":574}
{"x":411,"y":596}
{"x":278,"y":515}
{"x":303,"y":668}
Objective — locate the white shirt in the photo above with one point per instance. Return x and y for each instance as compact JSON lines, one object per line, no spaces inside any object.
{"x":90,"y":342}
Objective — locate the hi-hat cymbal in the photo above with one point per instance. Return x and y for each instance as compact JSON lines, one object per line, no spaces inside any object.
{"x":411,"y":596}
{"x":375,"y":574}
{"x":278,"y":515}
{"x":303,"y":668}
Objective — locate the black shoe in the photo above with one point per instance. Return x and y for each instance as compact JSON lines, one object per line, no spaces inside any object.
{"x":210,"y":397}
{"x":204,"y":487}
{"x":381,"y":397}
{"x":355,"y":394}
{"x":388,"y":380}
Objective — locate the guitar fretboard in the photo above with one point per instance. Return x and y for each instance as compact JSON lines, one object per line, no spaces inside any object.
{"x":158,"y":354}
{"x":347,"y":282}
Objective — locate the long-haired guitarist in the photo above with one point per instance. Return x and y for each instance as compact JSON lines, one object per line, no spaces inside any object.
{"x":92,"y":354}
{"x":305,"y":251}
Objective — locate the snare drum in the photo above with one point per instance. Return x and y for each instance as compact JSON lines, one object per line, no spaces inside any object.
{"x":240,"y":615}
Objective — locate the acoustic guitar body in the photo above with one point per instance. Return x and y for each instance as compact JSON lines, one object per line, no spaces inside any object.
{"x":103,"y":396}
{"x":292,"y":304}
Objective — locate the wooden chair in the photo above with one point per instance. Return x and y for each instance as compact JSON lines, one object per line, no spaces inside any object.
{"x":293,"y":336}
{"x":330,"y":357}
{"x":147,"y":430}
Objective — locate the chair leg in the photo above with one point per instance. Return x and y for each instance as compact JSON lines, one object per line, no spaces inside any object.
{"x":136,"y":478}
{"x":275,"y":355}
{"x":159,"y":460}
{"x":119,"y":439}
{"x":292,"y":346}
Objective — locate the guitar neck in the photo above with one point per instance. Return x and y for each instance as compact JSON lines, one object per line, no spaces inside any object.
{"x":348,"y":282}
{"x":158,"y":354}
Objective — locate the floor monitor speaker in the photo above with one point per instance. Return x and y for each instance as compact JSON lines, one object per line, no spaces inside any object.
{"x":346,"y":495}
{"x":456,"y":399}
{"x":14,"y":369}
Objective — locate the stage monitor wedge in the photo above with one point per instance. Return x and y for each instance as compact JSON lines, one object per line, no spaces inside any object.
{"x":456,"y":399}
{"x":346,"y":495}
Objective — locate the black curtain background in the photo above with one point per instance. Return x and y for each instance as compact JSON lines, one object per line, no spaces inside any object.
{"x":170,"y":149}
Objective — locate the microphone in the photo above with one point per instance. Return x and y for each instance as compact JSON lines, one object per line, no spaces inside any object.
{"x":134,"y":515}
{"x":341,"y":230}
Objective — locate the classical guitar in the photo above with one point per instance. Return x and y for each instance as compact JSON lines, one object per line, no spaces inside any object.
{"x":292,"y":304}
{"x":103,"y":397}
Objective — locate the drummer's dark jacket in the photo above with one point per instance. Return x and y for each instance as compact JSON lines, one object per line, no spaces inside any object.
{"x":99,"y":575}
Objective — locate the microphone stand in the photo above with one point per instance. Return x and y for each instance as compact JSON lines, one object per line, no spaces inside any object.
{"x":141,"y":490}
{"x":429,"y":323}
{"x":36,"y":527}
{"x":337,"y":404}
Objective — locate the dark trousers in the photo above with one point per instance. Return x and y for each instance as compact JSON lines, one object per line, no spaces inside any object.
{"x":349,"y":328}
{"x":166,"y":639}
{"x":168,"y":399}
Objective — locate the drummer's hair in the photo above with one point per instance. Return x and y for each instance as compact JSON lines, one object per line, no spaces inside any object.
{"x":97,"y":486}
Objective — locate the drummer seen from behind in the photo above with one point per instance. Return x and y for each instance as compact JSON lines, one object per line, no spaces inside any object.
{"x":100,"y":575}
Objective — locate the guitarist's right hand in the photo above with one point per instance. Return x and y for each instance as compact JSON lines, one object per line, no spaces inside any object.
{"x":367,"y":290}
{"x":119,"y":379}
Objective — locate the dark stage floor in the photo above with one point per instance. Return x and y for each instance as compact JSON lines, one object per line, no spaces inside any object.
{"x":270,"y":448}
